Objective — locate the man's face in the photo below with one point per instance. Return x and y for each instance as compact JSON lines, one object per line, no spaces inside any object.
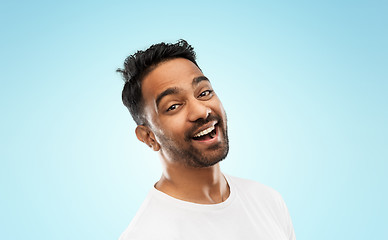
{"x":185,"y":114}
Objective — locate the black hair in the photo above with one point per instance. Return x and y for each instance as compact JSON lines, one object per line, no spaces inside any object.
{"x":138,"y":65}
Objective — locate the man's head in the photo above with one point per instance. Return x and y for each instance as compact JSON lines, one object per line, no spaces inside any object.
{"x":138,"y":65}
{"x":174,"y":105}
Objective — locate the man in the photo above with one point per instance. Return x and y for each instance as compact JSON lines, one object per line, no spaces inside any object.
{"x":180,"y":116}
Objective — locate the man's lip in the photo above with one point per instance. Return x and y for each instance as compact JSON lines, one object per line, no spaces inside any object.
{"x":209,"y":142}
{"x":206,"y":126}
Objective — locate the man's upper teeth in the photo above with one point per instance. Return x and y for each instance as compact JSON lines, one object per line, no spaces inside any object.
{"x":204,"y":132}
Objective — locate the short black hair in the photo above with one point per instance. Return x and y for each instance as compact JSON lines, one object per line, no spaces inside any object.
{"x":138,"y":65}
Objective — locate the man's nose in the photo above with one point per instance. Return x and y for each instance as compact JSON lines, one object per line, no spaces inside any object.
{"x":198,"y":109}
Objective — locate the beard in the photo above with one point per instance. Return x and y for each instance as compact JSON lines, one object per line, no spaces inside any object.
{"x":190,"y":156}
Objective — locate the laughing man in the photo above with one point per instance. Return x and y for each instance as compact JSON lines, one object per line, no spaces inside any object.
{"x":179,"y":115}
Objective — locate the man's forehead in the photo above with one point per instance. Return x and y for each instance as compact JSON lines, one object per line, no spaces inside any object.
{"x":173,"y":73}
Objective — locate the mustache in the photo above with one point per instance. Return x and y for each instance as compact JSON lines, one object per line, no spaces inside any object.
{"x":199,"y":123}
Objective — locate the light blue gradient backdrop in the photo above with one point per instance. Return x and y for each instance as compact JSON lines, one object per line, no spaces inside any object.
{"x":304,"y":85}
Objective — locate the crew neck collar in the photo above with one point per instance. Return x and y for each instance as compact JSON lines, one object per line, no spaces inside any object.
{"x":197,"y":206}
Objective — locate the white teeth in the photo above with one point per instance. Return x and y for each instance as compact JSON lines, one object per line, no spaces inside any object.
{"x":204,"y":132}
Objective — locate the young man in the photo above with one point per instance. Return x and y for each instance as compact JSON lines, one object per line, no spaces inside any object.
{"x":180,"y":116}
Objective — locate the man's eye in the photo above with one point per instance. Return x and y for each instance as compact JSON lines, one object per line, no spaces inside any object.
{"x":205,"y":93}
{"x":172,"y":107}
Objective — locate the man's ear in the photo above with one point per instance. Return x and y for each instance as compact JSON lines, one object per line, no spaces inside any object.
{"x":144,"y":134}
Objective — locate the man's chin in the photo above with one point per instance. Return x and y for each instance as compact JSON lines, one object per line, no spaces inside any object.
{"x":210,"y":159}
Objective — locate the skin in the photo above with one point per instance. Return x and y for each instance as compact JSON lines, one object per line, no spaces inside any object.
{"x":191,"y":171}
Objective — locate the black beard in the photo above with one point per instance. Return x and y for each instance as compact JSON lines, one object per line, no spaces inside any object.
{"x":192,"y":157}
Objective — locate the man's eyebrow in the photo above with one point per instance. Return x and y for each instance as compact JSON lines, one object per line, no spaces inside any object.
{"x":168,"y":91}
{"x":199,"y":79}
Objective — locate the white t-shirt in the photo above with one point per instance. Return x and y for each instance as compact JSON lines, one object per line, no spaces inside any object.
{"x":252,"y":211}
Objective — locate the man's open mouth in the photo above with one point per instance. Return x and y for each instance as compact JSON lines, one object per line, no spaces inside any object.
{"x":207,"y":134}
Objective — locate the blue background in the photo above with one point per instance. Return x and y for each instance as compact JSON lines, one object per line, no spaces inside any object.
{"x":304,"y":84}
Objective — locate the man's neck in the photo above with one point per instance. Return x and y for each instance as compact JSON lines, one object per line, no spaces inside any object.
{"x":199,"y":185}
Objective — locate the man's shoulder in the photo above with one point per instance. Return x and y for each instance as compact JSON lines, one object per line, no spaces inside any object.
{"x":159,"y":217}
{"x":250,"y":185}
{"x":250,"y":189}
{"x":264,"y":201}
{"x":147,"y":221}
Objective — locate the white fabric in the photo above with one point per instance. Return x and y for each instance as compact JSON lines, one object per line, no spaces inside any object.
{"x":252,"y":211}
